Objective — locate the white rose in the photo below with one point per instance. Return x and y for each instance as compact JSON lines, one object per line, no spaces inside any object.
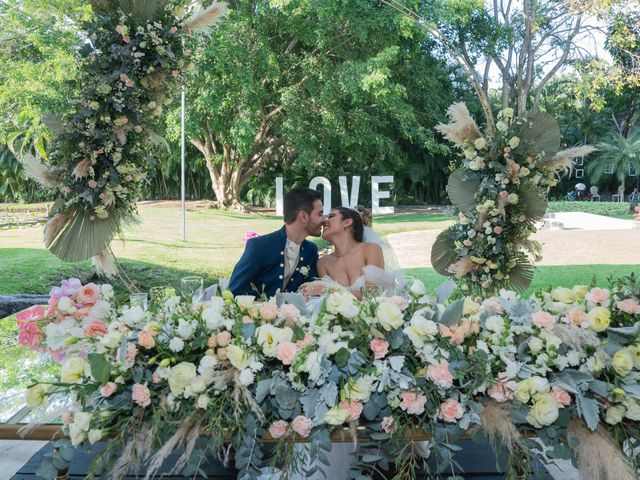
{"x":389,"y":316}
{"x":539,"y":385}
{"x":111,"y":339}
{"x":494,"y":323}
{"x":544,"y":411}
{"x":417,"y":288}
{"x":185,"y":329}
{"x":514,"y":142}
{"x":198,"y":385}
{"x":100,"y":309}
{"x":76,"y":434}
{"x":335,"y":416}
{"x":245,"y":301}
{"x":106,"y":291}
{"x":615,"y":414}
{"x":535,"y":345}
{"x":480,"y":143}
{"x":82,"y":420}
{"x":564,"y":295}
{"x":359,"y":389}
{"x":342,"y":303}
{"x":35,"y":396}
{"x":623,"y":362}
{"x":73,"y":369}
{"x":501,"y":126}
{"x":176,"y":344}
{"x":203,"y":401}
{"x":633,"y":410}
{"x":513,"y":198}
{"x":213,"y":318}
{"x":95,"y":436}
{"x":523,"y":391}
{"x":133,"y":316}
{"x":269,"y":337}
{"x":237,"y":357}
{"x":65,"y":305}
{"x":181,"y":375}
{"x":474,"y":165}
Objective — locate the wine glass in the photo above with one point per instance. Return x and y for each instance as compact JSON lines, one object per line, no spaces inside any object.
{"x":189,"y":286}
{"x":139,"y":300}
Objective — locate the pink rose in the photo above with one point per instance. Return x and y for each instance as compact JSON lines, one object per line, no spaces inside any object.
{"x":52,"y":305}
{"x":152,"y":105}
{"x":145,"y":340}
{"x":82,"y":313}
{"x":504,"y":389}
{"x":353,"y":408}
{"x":413,"y":403}
{"x":212,"y":342}
{"x":90,"y":293}
{"x":398,"y":301}
{"x":123,"y":77}
{"x":137,"y":129}
{"x":599,"y":296}
{"x":108,"y":389}
{"x":278,"y":429}
{"x":155,"y":378}
{"x":543,"y":320}
{"x":387,"y":424}
{"x":307,"y":340}
{"x":379,"y":347}
{"x":96,"y":328}
{"x":141,"y":395}
{"x":29,"y":335}
{"x":223,"y":338}
{"x":450,"y":411}
{"x":129,"y":82}
{"x":92,"y":184}
{"x":504,"y":194}
{"x":268,"y":311}
{"x":66,"y":417}
{"x":286,"y":352}
{"x":173,"y":29}
{"x":301,"y":425}
{"x":576,"y":316}
{"x":32,"y":314}
{"x":629,"y":305}
{"x":440,"y":374}
{"x":497,"y":229}
{"x":289,"y":312}
{"x":132,"y":351}
{"x":561,"y":396}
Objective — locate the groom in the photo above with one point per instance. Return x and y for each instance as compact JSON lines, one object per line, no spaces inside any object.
{"x":282,"y":260}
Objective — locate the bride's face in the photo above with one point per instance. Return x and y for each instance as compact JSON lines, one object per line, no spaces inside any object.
{"x":335,"y":225}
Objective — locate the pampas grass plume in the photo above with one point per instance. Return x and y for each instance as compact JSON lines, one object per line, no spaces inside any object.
{"x":204,"y":19}
{"x":462,"y":128}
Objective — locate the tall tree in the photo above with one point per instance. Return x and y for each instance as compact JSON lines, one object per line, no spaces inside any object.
{"x":617,"y":154}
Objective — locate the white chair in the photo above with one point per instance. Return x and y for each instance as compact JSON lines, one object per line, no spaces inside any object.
{"x":594,"y":193}
{"x":619,"y":196}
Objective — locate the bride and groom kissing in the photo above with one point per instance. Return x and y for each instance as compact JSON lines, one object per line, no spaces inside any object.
{"x":284,"y":261}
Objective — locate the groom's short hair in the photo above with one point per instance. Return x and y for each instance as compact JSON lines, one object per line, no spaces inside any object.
{"x":298,"y":199}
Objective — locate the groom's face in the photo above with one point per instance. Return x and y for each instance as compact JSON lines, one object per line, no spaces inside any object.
{"x":315,"y":220}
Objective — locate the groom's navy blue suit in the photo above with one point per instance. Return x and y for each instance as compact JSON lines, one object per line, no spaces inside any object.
{"x":262,"y":266}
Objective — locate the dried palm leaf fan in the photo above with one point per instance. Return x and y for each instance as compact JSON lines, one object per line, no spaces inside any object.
{"x":522,"y":274}
{"x":443,"y":253}
{"x":541,"y":131}
{"x":81,"y":238}
{"x":461,"y":188}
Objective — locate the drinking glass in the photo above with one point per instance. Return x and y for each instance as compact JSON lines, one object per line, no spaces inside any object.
{"x":189,"y":286}
{"x":159,"y":295}
{"x":139,"y":300}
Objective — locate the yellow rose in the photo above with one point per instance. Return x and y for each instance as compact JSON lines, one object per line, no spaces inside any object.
{"x":35,"y":396}
{"x":623,"y":362}
{"x":580,"y":291}
{"x":73,"y":369}
{"x":564,"y":295}
{"x":543,"y":412}
{"x":470,"y":307}
{"x":599,"y":319}
{"x":237,"y":357}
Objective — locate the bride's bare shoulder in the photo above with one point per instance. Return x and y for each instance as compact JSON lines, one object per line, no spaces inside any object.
{"x":372,"y":247}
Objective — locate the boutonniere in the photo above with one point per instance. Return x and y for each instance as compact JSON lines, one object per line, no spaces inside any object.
{"x":304,"y":270}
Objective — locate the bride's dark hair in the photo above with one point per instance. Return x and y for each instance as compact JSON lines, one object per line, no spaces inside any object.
{"x":357,"y":227}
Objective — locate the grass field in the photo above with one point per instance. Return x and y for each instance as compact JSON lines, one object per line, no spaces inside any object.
{"x":152,"y":254}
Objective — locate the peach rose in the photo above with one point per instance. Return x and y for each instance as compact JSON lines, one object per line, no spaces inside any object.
{"x":155,"y":378}
{"x":132,"y":351}
{"x":145,"y":340}
{"x":108,"y":389}
{"x":387,"y":424}
{"x":561,"y":396}
{"x":289,"y":312}
{"x":492,"y":304}
{"x":212,"y":342}
{"x":222,"y":353}
{"x":598,"y":296}
{"x":278,"y":428}
{"x":141,"y":395}
{"x":399,"y":302}
{"x":543,"y":320}
{"x":90,"y":293}
{"x":629,"y":305}
{"x":379,"y":347}
{"x":576,"y":316}
{"x":353,"y":408}
{"x":96,"y":328}
{"x":504,"y":389}
{"x":67,"y":418}
{"x":92,"y":184}
{"x":412,"y":402}
{"x":302,"y":426}
{"x":286,"y":352}
{"x":82,"y":313}
{"x":223,"y":338}
{"x":450,"y":411}
{"x":497,"y":229}
{"x":307,"y":340}
{"x":440,"y":374}
{"x":268,"y":311}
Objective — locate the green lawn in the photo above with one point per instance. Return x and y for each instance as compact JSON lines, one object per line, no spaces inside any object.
{"x":548,"y":276}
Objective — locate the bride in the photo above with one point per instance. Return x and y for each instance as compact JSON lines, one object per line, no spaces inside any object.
{"x":355,"y":262}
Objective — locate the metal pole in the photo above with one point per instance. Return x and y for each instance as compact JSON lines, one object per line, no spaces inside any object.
{"x":183,"y":235}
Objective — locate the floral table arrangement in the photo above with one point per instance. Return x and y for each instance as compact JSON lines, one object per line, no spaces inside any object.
{"x":562,"y":366}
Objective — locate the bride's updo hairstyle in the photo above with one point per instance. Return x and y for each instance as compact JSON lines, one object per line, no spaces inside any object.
{"x":357,"y":227}
{"x":365,"y":214}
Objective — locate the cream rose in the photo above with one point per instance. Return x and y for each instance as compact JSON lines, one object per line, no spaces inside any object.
{"x":623,"y":362}
{"x":180,"y":376}
{"x":73,"y":369}
{"x":544,"y":411}
{"x":335,"y":416}
{"x":599,"y":319}
{"x":389,"y":316}
{"x":237,"y":357}
{"x":615,"y":414}
{"x":35,"y":396}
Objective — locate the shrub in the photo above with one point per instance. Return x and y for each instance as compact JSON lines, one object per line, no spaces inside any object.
{"x":610,"y":209}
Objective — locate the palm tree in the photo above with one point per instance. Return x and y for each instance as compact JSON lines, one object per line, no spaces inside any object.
{"x":619,"y":153}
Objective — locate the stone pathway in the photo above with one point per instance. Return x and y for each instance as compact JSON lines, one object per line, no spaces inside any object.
{"x":586,"y":240}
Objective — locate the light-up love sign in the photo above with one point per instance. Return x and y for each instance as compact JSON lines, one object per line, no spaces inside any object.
{"x":346,"y":199}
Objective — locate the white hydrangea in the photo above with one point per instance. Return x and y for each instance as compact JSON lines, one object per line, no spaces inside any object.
{"x":176,"y":344}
